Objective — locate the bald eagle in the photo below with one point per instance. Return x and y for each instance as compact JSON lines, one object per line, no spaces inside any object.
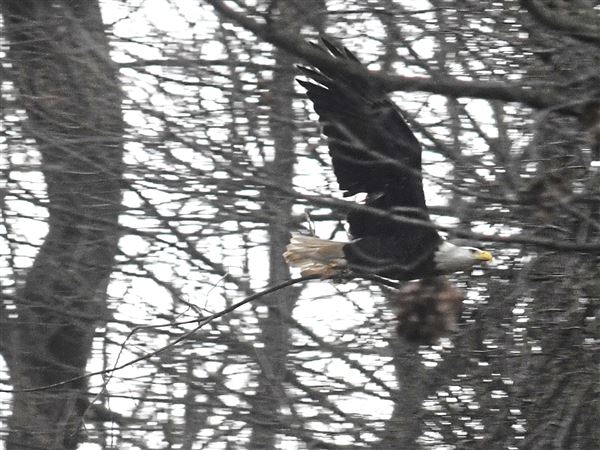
{"x":374,"y":152}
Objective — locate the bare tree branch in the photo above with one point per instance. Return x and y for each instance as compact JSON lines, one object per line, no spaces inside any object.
{"x":558,"y":18}
{"x":538,"y":97}
{"x":201,"y":323}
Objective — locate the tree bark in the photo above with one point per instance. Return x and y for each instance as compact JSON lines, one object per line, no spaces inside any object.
{"x":271,"y":393}
{"x":69,"y":88}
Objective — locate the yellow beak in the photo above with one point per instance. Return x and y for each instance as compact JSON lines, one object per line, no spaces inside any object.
{"x":484,"y":256}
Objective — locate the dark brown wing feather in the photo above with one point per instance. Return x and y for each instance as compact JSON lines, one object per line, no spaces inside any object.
{"x":374,"y":152}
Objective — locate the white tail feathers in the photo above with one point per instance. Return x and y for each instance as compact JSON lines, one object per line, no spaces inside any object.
{"x":314,"y":256}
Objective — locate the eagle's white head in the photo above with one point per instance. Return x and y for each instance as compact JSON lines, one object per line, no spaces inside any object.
{"x":454,"y":258}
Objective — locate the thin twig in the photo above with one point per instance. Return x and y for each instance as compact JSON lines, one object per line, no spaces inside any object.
{"x":171,"y":344}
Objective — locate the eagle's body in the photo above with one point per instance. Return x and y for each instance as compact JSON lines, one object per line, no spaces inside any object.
{"x":374,"y":152}
{"x":315,"y":256}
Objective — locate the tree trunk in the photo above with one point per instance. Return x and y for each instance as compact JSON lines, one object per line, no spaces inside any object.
{"x":69,"y":88}
{"x":270,"y":396}
{"x":275,"y":327}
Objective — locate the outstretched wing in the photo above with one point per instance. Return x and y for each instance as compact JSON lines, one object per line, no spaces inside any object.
{"x":374,"y":152}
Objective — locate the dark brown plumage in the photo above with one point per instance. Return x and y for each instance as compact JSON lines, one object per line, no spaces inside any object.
{"x":374,"y":152}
